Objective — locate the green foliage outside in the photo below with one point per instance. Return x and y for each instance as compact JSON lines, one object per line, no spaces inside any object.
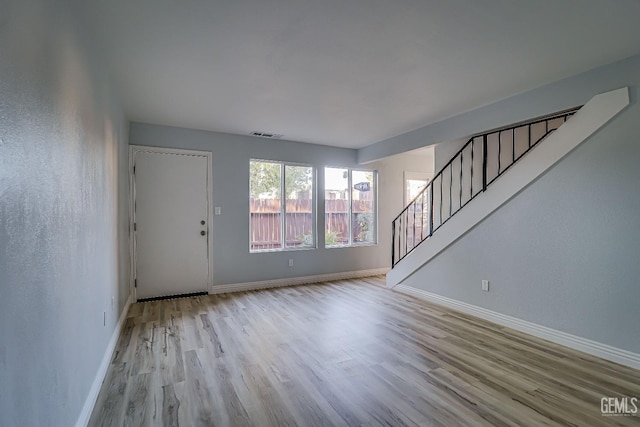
{"x":365,"y":233}
{"x":265,"y":178}
{"x":331,"y":238}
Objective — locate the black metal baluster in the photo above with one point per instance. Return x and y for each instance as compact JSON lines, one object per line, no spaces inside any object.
{"x":513,"y":145}
{"x":400,"y":256}
{"x":499,"y":152}
{"x":484,"y":162}
{"x":431,"y":211}
{"x":406,"y":234}
{"x":422,"y":205}
{"x":413,"y":242}
{"x":441,"y":198}
{"x":398,"y":232}
{"x":461,"y":166}
{"x":393,"y":243}
{"x":473,"y":143}
{"x":450,"y":189}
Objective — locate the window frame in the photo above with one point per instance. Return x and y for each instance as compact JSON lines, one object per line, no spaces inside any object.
{"x":350,"y":189}
{"x":414,"y":176}
{"x":283,"y":207}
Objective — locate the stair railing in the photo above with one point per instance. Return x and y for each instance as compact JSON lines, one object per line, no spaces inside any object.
{"x":482,"y":160}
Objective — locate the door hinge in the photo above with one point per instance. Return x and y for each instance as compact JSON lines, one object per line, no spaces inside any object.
{"x":135,"y":226}
{"x":135,"y":283}
{"x":134,"y":169}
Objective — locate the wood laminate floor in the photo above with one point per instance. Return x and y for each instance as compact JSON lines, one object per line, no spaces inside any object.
{"x":345,"y":353}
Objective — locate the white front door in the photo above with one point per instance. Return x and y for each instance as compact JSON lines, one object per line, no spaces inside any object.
{"x":171,"y":223}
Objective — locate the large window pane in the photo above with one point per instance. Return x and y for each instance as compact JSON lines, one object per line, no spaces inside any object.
{"x":336,"y":206}
{"x":363,"y":207}
{"x":299,"y":206}
{"x":265,"y":205}
{"x":350,"y":207}
{"x":282,"y":212}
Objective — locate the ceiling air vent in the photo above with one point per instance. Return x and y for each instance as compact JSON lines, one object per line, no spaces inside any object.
{"x":267,"y":135}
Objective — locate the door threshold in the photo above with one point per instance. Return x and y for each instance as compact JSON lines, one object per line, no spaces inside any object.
{"x":195,"y":294}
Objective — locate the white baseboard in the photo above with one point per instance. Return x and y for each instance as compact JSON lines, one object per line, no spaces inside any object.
{"x":292,"y":281}
{"x":593,"y":348}
{"x":90,"y":402}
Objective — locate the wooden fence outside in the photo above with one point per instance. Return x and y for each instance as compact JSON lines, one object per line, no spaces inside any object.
{"x":266,"y":224}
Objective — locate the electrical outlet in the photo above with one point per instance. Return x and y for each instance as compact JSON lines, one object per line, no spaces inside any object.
{"x":218,"y":210}
{"x":290,"y":262}
{"x":485,"y":285}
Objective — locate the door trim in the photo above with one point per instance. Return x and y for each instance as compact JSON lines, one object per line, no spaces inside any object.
{"x":133,"y":150}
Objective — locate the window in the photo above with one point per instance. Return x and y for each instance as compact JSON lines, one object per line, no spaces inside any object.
{"x":417,"y":216}
{"x":350,"y":207}
{"x":276,"y":222}
{"x":414,"y":183}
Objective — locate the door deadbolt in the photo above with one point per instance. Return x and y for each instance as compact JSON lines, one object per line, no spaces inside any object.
{"x":202,"y":222}
{"x":202,"y":233}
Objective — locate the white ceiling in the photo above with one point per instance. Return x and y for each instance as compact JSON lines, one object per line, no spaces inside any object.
{"x":346,"y":72}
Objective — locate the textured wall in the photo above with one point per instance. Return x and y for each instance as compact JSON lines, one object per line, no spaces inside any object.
{"x":445,"y":151}
{"x":564,"y":252}
{"x":62,"y":247}
{"x":231,"y":154}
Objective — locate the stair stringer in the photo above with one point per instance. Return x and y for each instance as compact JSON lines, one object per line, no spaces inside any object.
{"x":585,"y":122}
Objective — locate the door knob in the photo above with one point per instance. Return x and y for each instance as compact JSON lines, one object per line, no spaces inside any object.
{"x":202,"y":233}
{"x":202,"y":222}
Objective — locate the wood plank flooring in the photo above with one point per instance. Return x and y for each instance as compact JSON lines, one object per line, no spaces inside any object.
{"x":345,"y":353}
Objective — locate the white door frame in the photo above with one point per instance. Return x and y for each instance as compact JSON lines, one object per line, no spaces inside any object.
{"x":133,"y":149}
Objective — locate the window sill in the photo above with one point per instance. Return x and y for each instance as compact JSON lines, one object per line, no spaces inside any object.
{"x":354,"y":245}
{"x":263,"y":251}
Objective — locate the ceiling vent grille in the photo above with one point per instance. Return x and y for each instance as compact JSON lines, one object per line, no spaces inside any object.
{"x":267,"y":135}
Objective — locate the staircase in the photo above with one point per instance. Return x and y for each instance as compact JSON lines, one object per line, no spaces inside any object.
{"x":462,"y":248}
{"x":478,"y":164}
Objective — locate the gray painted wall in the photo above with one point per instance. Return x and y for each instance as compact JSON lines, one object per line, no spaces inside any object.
{"x":561,"y":95}
{"x":63,"y":247}
{"x":445,"y":151}
{"x":231,"y":154}
{"x":564,"y":252}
